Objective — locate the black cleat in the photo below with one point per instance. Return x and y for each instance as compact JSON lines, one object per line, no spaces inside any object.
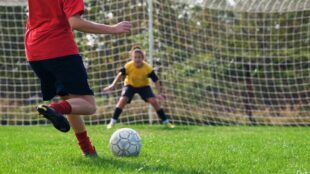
{"x":58,"y":120}
{"x":91,"y":155}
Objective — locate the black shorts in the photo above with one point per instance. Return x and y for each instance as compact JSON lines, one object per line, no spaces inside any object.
{"x":62,"y":76}
{"x":144,"y":92}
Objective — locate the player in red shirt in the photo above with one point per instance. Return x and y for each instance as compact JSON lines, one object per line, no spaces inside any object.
{"x":54,"y":57}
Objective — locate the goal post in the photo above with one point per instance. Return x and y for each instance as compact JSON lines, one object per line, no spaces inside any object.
{"x":222,"y":62}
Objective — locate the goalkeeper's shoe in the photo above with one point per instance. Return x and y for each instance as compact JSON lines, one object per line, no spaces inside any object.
{"x":58,"y":120}
{"x":169,"y":125}
{"x":110,"y":125}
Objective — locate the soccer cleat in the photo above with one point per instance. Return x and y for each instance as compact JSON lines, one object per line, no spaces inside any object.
{"x":92,"y":154}
{"x":58,"y":120}
{"x":169,"y":125}
{"x":110,"y":126}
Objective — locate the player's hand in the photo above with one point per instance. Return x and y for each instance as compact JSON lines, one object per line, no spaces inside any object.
{"x":122,"y":27}
{"x":109,"y":88}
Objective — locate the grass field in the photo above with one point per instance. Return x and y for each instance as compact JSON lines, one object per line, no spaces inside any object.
{"x":184,"y":150}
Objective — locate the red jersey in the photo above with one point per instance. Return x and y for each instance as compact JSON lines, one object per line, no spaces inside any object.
{"x":48,"y":32}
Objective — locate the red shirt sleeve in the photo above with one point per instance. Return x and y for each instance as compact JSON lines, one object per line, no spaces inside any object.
{"x":73,"y":7}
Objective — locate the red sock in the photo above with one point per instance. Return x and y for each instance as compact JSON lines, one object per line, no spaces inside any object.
{"x":62,"y":107}
{"x":85,"y":143}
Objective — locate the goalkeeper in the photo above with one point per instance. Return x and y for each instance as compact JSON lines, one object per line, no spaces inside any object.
{"x":54,"y":57}
{"x":137,"y":72}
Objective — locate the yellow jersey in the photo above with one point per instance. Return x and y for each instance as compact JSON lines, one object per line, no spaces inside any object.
{"x":137,"y":77}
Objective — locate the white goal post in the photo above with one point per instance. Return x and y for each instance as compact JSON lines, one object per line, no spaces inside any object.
{"x":222,"y":62}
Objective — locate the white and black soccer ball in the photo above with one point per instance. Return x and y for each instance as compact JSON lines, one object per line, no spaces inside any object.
{"x":125,"y":142}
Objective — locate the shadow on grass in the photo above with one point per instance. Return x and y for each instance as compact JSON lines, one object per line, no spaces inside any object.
{"x":122,"y":164}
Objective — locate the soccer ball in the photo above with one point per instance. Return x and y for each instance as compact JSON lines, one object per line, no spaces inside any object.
{"x":125,"y":142}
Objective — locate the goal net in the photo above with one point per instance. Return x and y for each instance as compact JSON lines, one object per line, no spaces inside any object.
{"x":219,"y":61}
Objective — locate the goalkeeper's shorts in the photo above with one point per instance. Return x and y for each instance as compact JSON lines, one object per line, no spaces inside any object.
{"x":144,"y":92}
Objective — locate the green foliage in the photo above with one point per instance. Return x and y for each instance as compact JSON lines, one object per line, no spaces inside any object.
{"x":14,"y":70}
{"x":263,"y":55}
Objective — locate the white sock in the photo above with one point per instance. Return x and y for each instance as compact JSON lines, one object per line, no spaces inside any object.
{"x":166,"y":121}
{"x":113,"y":121}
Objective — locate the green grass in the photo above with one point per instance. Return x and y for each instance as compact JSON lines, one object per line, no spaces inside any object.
{"x":184,"y":150}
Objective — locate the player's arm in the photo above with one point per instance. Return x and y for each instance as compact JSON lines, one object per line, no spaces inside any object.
{"x":80,"y":24}
{"x":117,"y":79}
{"x":158,"y":88}
{"x":156,"y":81}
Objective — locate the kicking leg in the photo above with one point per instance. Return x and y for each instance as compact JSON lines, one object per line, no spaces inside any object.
{"x":81,"y":105}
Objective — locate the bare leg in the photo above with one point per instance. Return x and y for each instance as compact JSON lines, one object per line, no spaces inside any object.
{"x":118,"y":110}
{"x":160,"y":112}
{"x":154,"y":103}
{"x":122,"y":102}
{"x":81,"y":105}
